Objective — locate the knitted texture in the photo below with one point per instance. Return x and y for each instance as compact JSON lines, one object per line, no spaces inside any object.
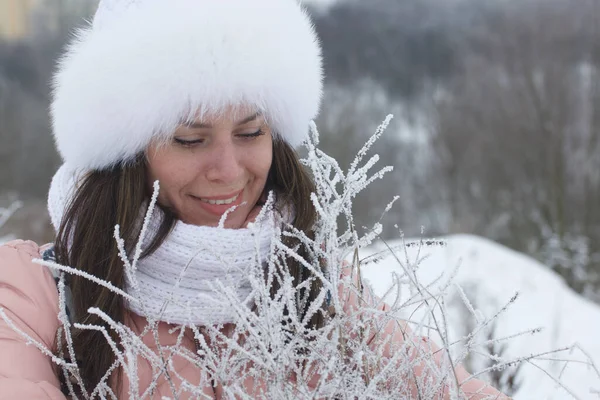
{"x":177,"y":282}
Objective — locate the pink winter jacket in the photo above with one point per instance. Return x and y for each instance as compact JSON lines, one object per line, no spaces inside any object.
{"x":29,"y":297}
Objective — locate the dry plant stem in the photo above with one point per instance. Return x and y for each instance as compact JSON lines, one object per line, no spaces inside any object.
{"x":421,"y":290}
{"x":6,"y":213}
{"x":363,"y":351}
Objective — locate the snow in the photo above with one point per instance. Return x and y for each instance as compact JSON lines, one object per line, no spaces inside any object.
{"x":490,"y":274}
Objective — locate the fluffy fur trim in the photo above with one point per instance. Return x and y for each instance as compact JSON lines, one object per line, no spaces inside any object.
{"x":144,"y":67}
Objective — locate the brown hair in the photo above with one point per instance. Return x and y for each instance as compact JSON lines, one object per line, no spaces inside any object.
{"x":115,"y":196}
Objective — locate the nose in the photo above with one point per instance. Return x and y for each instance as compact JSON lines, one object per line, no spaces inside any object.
{"x":224,"y":165}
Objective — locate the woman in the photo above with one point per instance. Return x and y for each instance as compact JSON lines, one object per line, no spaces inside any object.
{"x":209,"y":98}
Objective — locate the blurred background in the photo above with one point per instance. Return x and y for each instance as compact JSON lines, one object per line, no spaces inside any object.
{"x":496,"y":130}
{"x":497,"y":105}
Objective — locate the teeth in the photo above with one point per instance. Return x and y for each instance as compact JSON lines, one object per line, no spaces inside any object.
{"x":219,"y":202}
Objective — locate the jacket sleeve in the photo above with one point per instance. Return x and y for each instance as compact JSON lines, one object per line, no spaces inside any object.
{"x":29,"y":298}
{"x":393,"y":334}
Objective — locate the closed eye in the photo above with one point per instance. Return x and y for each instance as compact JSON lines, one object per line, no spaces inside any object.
{"x":188,"y":143}
{"x":259,"y":132}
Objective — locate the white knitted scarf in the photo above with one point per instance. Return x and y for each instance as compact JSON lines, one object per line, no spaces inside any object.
{"x":178,"y":283}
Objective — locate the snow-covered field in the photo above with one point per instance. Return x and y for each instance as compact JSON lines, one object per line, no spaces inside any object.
{"x":490,"y":274}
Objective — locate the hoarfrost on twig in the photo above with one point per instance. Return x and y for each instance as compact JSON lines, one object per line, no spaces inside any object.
{"x":365,"y":350}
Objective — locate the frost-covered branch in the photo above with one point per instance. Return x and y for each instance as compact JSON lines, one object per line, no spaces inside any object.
{"x":6,"y":213}
{"x":366,"y":349}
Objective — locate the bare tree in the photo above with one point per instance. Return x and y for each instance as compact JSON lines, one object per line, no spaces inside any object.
{"x":518,"y":135}
{"x":402,"y":45}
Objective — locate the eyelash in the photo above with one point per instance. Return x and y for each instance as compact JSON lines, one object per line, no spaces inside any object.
{"x":190,"y":143}
{"x":258,"y":133}
{"x":187,"y":143}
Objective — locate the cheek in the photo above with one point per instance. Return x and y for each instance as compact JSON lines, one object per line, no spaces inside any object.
{"x":173,"y":172}
{"x":262,"y":164}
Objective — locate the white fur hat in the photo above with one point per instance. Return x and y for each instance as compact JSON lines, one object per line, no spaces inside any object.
{"x":145,"y":66}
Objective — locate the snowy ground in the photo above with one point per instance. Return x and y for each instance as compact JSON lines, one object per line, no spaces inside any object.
{"x":490,"y":274}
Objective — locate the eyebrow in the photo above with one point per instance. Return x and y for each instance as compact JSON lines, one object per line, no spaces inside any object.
{"x":201,"y":125}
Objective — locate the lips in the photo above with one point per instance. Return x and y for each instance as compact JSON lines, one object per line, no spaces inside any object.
{"x":220,"y":202}
{"x":218,"y":205}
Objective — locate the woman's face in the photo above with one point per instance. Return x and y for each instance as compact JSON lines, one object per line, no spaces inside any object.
{"x":212,"y":165}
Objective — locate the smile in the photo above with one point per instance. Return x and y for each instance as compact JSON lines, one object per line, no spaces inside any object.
{"x":219,"y":202}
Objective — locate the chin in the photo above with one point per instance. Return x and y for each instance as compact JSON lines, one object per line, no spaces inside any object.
{"x":232,"y":222}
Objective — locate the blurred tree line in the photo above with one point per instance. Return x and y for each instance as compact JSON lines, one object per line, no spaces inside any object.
{"x":497,"y":124}
{"x":501,"y":109}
